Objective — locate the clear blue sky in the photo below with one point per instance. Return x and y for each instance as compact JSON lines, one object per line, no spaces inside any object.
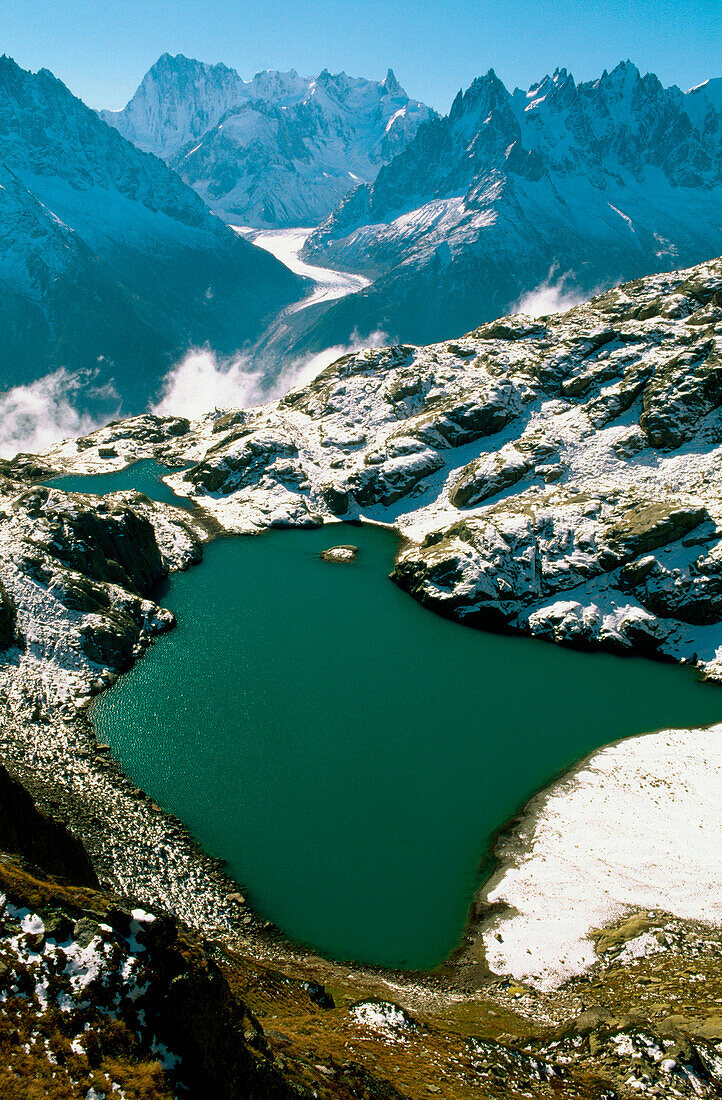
{"x":102,"y":48}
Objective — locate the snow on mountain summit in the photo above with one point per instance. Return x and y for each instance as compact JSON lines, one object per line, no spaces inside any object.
{"x":595,"y":182}
{"x":277,"y":150}
{"x":177,"y":101}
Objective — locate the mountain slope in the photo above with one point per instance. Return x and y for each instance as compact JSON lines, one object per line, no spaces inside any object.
{"x":277,"y":150}
{"x":176,"y":102}
{"x":546,"y":472}
{"x":597,"y":182}
{"x":109,"y":264}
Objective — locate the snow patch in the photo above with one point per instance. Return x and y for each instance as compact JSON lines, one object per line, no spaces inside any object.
{"x":383,"y":1017}
{"x":637,"y":827}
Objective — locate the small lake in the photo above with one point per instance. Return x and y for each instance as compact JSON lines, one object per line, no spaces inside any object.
{"x":349,"y":754}
{"x":144,"y":476}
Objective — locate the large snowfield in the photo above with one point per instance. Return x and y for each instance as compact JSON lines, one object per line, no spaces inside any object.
{"x":286,"y":246}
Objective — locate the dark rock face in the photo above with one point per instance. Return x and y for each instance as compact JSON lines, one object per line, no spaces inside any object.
{"x":77,"y":569}
{"x":107,"y":542}
{"x":117,"y":546}
{"x":48,"y":844}
{"x":155,"y":983}
{"x":687,"y":389}
{"x":336,"y":500}
{"x":110,"y":642}
{"x":692,"y":593}
{"x":7,"y":619}
{"x":196,"y":1013}
{"x":493,"y":472}
{"x":247,"y":464}
{"x":386,"y":485}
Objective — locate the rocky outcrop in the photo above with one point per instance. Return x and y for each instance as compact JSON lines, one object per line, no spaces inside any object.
{"x":42,"y":841}
{"x":76,"y":572}
{"x":340,"y":553}
{"x":145,"y":1010}
{"x":491,"y":473}
{"x":8,"y":615}
{"x":108,"y":542}
{"x":507,"y":567}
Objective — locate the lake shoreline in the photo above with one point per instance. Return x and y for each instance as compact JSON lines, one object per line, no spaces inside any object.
{"x":144,"y":854}
{"x":502,"y":855}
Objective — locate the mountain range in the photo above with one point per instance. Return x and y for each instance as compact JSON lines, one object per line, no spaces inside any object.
{"x":277,"y":150}
{"x":109,"y":264}
{"x":587,"y":183}
{"x":112,"y":266}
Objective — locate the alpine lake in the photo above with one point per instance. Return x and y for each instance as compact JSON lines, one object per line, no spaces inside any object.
{"x":350,"y":755}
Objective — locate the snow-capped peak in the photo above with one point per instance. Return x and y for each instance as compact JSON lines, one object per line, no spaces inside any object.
{"x":277,"y":149}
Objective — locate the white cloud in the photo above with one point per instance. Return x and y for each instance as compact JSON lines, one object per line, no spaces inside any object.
{"x":37,"y":415}
{"x":551,"y":296}
{"x":202,"y":381}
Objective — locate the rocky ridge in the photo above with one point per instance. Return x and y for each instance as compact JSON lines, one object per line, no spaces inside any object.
{"x":555,"y":476}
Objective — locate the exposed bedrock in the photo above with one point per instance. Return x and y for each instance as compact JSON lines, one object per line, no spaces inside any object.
{"x":106,"y":541}
{"x":8,"y":614}
{"x":557,"y":475}
{"x":43,"y":842}
{"x":504,"y":566}
{"x":76,"y":573}
{"x":145,"y":1009}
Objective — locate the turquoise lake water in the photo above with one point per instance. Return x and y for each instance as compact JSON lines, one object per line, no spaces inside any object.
{"x":350,"y":754}
{"x":145,"y":476}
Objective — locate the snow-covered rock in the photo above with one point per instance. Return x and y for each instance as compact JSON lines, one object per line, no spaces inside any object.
{"x":568,"y":188}
{"x":555,"y":476}
{"x":277,"y":150}
{"x":76,"y":572}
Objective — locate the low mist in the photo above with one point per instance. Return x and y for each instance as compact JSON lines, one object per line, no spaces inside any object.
{"x":555,"y":295}
{"x":202,"y":381}
{"x":35,"y":416}
{"x":40,"y":414}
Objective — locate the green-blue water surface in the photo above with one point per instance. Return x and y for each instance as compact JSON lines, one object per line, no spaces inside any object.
{"x":351,"y":754}
{"x":144,"y":476}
